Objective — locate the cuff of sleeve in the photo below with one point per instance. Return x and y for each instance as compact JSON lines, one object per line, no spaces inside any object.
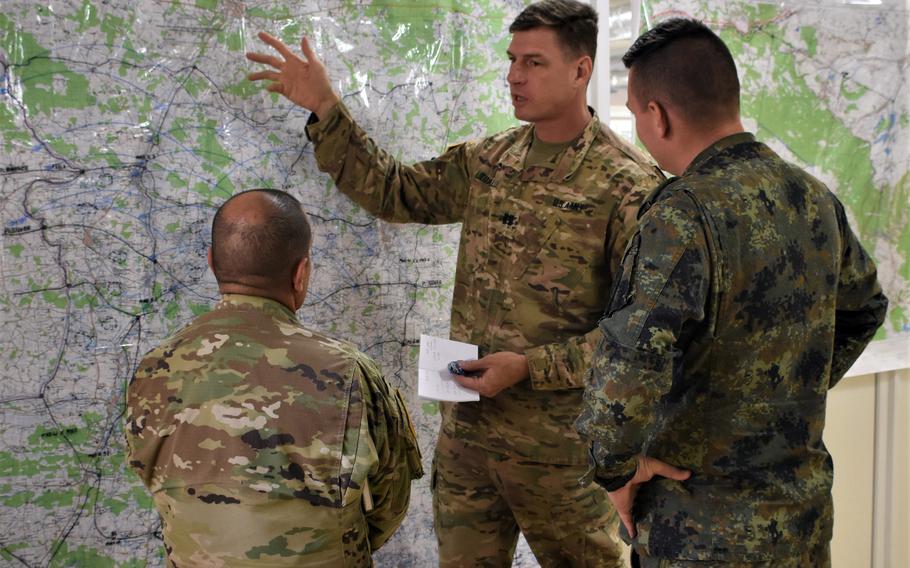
{"x":615,"y":475}
{"x":614,"y":483}
{"x":539,"y":367}
{"x":317,"y":126}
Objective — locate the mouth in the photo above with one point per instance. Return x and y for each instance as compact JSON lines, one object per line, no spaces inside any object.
{"x":518,"y":99}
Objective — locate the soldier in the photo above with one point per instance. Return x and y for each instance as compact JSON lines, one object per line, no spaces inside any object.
{"x":265,"y":443}
{"x":743,"y":297}
{"x":546,"y":210}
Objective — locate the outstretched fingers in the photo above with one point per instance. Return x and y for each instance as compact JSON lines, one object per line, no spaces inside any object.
{"x":279,"y":45}
{"x":264,"y":75}
{"x":269,"y":60}
{"x":307,"y":50}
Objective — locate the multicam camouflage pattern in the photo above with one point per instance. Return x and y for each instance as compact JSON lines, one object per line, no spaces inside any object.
{"x":743,"y":298}
{"x":265,"y":443}
{"x":537,"y":249}
{"x":482,"y":498}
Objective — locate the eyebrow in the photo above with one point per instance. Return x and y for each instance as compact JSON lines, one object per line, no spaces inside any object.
{"x":525,"y":55}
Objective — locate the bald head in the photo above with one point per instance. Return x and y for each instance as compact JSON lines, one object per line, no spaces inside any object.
{"x":258,"y":238}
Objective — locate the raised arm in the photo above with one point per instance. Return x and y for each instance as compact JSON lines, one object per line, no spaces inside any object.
{"x":433,"y":191}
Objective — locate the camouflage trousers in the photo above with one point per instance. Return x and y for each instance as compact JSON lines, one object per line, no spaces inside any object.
{"x":482,"y":500}
{"x":817,"y":558}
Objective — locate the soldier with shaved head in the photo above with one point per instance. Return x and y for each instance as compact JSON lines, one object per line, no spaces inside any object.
{"x":265,"y":443}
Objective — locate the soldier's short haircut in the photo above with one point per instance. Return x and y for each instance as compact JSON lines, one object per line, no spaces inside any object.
{"x":263,"y":252}
{"x":575,"y":24}
{"x":681,"y":62}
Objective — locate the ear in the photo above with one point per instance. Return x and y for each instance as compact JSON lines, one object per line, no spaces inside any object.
{"x":301,"y":281}
{"x":583,"y":70}
{"x":301,"y":276}
{"x":657,"y":113}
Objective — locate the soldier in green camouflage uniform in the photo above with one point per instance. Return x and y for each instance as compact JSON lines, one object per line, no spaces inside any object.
{"x":265,"y":443}
{"x":744,"y":296}
{"x":546,"y":210}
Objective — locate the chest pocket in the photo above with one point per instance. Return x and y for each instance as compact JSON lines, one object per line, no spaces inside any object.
{"x":518,"y":232}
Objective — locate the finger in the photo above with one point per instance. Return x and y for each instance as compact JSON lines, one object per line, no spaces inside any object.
{"x":626,"y":518}
{"x":275,"y":88}
{"x":267,"y":75}
{"x":467,"y":382}
{"x":472,"y":365}
{"x":263,"y":58}
{"x":277,"y":44}
{"x":307,"y":50}
{"x":669,"y":471}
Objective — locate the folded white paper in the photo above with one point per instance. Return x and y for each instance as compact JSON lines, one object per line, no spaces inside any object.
{"x":433,"y":377}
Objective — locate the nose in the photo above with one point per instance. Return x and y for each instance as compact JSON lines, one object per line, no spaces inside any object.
{"x":514,"y":76}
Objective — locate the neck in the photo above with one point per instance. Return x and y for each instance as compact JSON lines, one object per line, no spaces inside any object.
{"x":565,"y":127}
{"x":286,"y":298}
{"x":699,"y":141}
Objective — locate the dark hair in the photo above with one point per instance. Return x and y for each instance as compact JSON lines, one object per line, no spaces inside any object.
{"x":683,"y":63}
{"x":575,"y":24}
{"x":265,"y":250}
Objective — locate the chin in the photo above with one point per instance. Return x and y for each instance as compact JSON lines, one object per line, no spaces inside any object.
{"x":524,"y":115}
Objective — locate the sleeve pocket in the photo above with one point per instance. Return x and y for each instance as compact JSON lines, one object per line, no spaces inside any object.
{"x":621,"y":296}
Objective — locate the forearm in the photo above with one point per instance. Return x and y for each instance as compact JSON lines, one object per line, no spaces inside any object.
{"x":619,"y":407}
{"x":430,"y":192}
{"x":852,"y":333}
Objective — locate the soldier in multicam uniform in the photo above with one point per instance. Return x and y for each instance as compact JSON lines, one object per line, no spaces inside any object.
{"x":265,"y":443}
{"x":546,"y":211}
{"x":743,"y":297}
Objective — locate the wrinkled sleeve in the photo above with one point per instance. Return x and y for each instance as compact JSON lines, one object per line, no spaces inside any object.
{"x":563,"y":365}
{"x":432,"y":192}
{"x":658,"y":301}
{"x":861,"y":305}
{"x":397,"y":454}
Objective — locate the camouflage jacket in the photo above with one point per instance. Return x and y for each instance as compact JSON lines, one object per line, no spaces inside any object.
{"x":265,"y":443}
{"x":743,"y":298}
{"x":535,"y":261}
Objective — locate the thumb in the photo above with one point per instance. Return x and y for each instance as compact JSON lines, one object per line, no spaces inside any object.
{"x":472,"y":365}
{"x":626,"y":518}
{"x":662,"y":469}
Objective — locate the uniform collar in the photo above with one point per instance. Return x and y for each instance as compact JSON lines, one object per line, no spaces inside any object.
{"x":268,"y":305}
{"x":700,"y":160}
{"x":717,"y":148}
{"x":570,"y":159}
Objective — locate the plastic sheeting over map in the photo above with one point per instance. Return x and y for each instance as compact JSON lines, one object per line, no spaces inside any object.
{"x":123,"y":125}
